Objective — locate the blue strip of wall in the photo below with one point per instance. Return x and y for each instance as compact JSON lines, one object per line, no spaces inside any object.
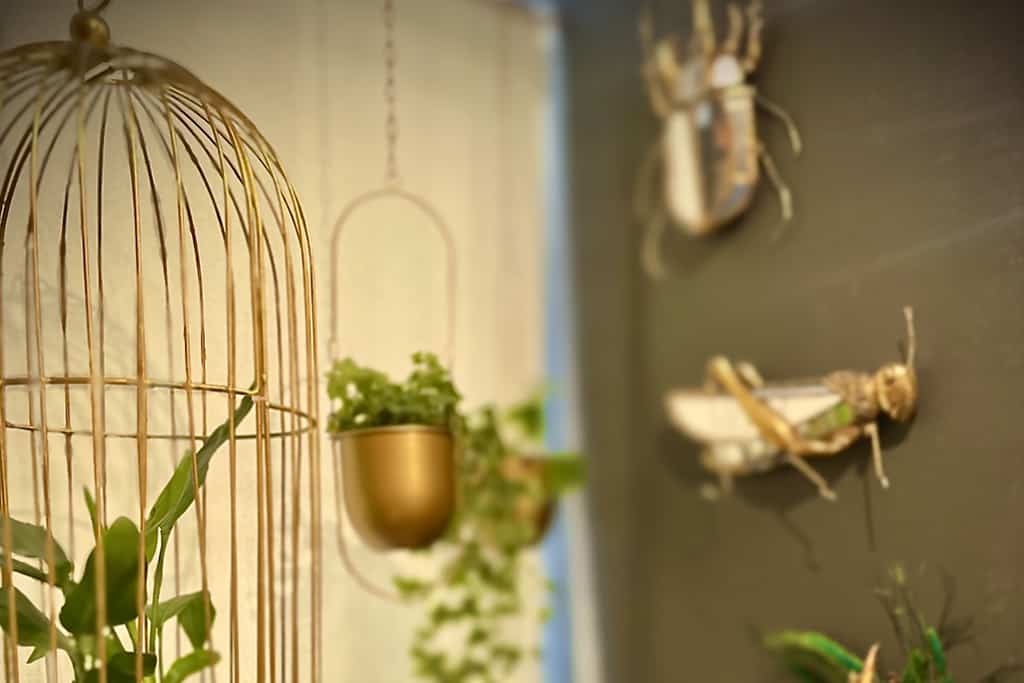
{"x":559,"y":359}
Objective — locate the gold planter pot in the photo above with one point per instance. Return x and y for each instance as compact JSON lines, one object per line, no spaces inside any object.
{"x":398,"y":483}
{"x":537,"y":513}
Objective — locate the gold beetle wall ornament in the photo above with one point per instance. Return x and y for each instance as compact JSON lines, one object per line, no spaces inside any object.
{"x":748,"y":426}
{"x":703,"y":170}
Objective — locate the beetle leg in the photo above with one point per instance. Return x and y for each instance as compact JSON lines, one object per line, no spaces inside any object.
{"x":819,"y":482}
{"x":655,"y":63}
{"x":732,"y":42}
{"x":646,"y":180}
{"x":755,"y":22}
{"x":871,"y":429}
{"x":785,"y":196}
{"x":780,"y":113}
{"x":650,"y":253}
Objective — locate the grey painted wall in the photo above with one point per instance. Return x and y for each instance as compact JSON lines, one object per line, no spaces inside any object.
{"x":911,"y":191}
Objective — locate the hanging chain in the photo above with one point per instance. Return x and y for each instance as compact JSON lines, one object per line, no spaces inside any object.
{"x":390,"y":93}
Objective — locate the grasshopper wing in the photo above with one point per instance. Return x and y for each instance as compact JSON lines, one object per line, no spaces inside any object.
{"x":714,"y":418}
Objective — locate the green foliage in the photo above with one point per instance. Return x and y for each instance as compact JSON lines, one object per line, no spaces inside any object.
{"x":368,"y":398}
{"x":33,"y":626}
{"x":191,"y":664}
{"x":813,"y":658}
{"x":479,"y":589}
{"x":178,"y":494}
{"x":29,"y":541}
{"x":563,"y":472}
{"x":121,"y":552}
{"x":190,"y":611}
{"x":121,"y":565}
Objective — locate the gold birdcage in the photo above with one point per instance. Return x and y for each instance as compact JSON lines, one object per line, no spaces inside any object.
{"x":159,"y":463}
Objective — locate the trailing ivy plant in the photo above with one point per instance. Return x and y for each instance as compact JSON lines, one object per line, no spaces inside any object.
{"x":478,"y":590}
{"x":76,"y":635}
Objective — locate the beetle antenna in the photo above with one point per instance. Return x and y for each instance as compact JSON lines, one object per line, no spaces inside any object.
{"x":908,"y":313}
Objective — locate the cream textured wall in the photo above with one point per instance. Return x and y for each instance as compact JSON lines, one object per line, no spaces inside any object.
{"x":310,"y":75}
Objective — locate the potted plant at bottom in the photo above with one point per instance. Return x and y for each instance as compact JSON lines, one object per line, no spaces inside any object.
{"x":396,"y":444}
{"x":815,"y":658}
{"x":33,"y":554}
{"x":506,"y":502}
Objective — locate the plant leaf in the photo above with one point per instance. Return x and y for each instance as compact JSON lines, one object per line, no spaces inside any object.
{"x":29,"y":540}
{"x":121,"y":668}
{"x":368,"y":397}
{"x":563,"y":472}
{"x":179,"y":493}
{"x":814,"y":657}
{"x":33,"y":626}
{"x":121,"y":551}
{"x":191,"y":664}
{"x":90,"y":504}
{"x":23,"y":568}
{"x":191,"y":614}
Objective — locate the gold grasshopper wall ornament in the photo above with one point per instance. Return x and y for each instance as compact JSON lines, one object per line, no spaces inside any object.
{"x":703,"y":170}
{"x":748,"y":426}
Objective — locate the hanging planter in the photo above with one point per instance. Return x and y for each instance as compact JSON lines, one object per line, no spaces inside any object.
{"x":394,"y":444}
{"x":395,"y":451}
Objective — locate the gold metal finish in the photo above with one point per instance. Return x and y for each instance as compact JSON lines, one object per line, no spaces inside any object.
{"x":155,"y":268}
{"x":398,"y":483}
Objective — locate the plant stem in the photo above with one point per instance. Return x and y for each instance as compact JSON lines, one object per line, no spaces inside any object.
{"x":156,"y":631}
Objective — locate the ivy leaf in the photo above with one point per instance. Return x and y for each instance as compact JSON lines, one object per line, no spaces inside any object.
{"x":563,"y":472}
{"x":412,"y":589}
{"x":528,"y":417}
{"x":190,"y":611}
{"x":191,"y":664}
{"x":368,"y":397}
{"x":179,"y":493}
{"x":29,"y":540}
{"x":121,"y":552}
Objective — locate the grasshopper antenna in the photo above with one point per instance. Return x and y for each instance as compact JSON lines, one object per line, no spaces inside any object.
{"x":908,"y":313}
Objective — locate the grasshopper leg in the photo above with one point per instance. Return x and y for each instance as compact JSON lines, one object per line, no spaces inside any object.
{"x":773,"y":426}
{"x":871,"y":429}
{"x":803,"y":468}
{"x":750,"y":374}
